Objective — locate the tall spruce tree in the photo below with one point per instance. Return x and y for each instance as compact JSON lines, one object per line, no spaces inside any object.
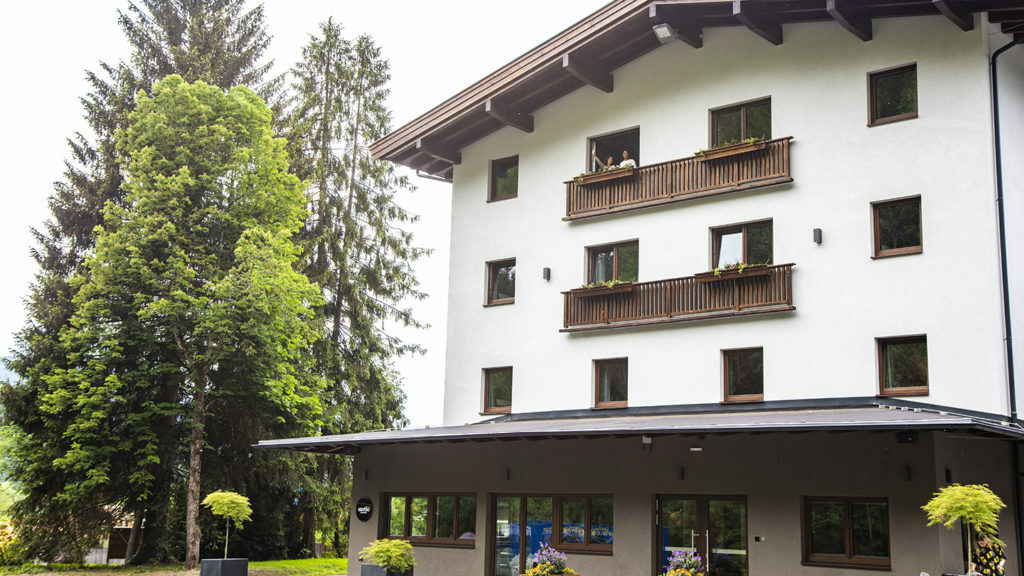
{"x":216,"y":41}
{"x":356,"y":248}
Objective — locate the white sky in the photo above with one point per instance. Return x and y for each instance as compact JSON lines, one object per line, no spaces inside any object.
{"x":436,"y":48}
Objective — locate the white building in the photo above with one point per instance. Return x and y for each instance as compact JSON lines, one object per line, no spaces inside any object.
{"x":800,"y":336}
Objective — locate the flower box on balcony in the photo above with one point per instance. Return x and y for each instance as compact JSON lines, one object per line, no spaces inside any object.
{"x":594,"y":291}
{"x":729,"y":273}
{"x":732,"y":150}
{"x":602,"y":176}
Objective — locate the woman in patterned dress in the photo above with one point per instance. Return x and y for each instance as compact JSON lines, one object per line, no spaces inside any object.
{"x":989,"y":558}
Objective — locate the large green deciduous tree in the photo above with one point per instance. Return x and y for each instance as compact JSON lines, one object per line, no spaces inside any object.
{"x":355,"y":247}
{"x":198,"y":263}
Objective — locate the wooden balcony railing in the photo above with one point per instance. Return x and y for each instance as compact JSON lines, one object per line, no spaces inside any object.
{"x":681,"y":300}
{"x":679,"y":180}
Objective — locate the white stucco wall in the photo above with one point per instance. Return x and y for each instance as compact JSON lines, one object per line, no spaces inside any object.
{"x":826,"y":348}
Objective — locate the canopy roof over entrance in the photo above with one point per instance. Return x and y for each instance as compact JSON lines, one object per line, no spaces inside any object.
{"x":880,"y":417}
{"x":589,"y":51}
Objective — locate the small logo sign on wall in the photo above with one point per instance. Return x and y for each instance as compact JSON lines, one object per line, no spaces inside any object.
{"x":364,"y":509}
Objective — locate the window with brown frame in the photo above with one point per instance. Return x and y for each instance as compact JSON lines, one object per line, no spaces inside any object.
{"x":431,"y":519}
{"x":498,"y":390}
{"x":743,"y":374}
{"x":742,"y":244}
{"x":605,"y":152}
{"x":504,"y":179}
{"x":501,"y":282}
{"x":892,"y":95}
{"x":522,"y":522}
{"x":613,"y":262}
{"x":903,"y":366}
{"x":850,"y":532}
{"x":897,"y":227}
{"x":738,"y":122}
{"x":611,"y":383}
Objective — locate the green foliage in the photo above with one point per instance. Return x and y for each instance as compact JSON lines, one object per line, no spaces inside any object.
{"x":974,"y":504}
{"x":394,"y":555}
{"x":233,"y":506}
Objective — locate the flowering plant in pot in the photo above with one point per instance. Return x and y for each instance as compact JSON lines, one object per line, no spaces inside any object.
{"x":684,"y":563}
{"x":549,"y":563}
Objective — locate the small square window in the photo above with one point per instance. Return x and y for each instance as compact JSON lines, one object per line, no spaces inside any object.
{"x":744,"y":375}
{"x":892,"y":94}
{"x":743,"y":244}
{"x":903,"y":366}
{"x":897,"y":227}
{"x":498,"y":390}
{"x":504,"y":179}
{"x":501,"y":282}
{"x":733,"y":124}
{"x":850,"y":532}
{"x":611,"y":383}
{"x":614,"y":262}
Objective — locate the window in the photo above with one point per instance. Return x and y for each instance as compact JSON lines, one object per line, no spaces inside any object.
{"x":846,"y":531}
{"x":567,"y":522}
{"x":892,"y":94}
{"x":501,"y":282}
{"x":611,"y":146}
{"x":738,"y":122}
{"x":903,"y":366}
{"x":611,"y":380}
{"x":504,"y":179}
{"x":438,"y":519}
{"x":742,"y":244}
{"x":743,"y":374}
{"x":897,"y":227}
{"x":619,"y":262}
{"x":498,"y":390}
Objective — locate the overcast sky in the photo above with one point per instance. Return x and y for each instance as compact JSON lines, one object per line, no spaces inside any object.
{"x":436,"y":48}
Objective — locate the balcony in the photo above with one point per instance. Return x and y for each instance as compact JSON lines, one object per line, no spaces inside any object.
{"x":679,"y":180}
{"x":758,"y":291}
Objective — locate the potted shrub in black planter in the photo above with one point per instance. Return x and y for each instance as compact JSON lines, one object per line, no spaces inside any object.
{"x":386,"y":557}
{"x":235,"y":508}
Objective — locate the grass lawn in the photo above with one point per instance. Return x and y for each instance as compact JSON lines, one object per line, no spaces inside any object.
{"x":307,"y":567}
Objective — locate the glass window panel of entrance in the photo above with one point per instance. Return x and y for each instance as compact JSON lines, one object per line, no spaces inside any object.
{"x":727,"y":534}
{"x":506,"y":536}
{"x":713,"y":528}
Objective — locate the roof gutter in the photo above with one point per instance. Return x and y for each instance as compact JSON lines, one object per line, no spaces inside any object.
{"x":1004,"y":273}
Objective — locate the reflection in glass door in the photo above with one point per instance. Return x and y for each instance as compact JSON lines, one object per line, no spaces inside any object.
{"x":715,"y":528}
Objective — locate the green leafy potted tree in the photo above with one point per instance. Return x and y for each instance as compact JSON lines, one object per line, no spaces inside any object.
{"x":975,"y":505}
{"x":234,"y":508}
{"x":387,"y":557}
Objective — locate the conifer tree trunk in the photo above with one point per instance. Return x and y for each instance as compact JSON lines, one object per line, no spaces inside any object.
{"x":195,"y":462}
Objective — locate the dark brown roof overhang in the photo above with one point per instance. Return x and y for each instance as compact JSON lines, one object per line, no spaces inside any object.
{"x":588,"y":52}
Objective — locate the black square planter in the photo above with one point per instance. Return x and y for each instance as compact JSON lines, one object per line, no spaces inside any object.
{"x":224,"y":567}
{"x":376,"y":570}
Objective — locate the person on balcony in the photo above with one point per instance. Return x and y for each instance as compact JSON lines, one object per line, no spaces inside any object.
{"x":606,"y":165}
{"x":627,"y":162}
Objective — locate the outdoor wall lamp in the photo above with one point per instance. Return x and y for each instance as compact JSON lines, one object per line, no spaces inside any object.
{"x":817,"y":235}
{"x":546,"y":273}
{"x":665,"y":33}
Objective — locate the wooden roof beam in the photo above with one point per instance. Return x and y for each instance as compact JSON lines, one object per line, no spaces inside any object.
{"x":998,"y":17}
{"x":586,"y":73}
{"x":688,"y":32}
{"x":853,"y":20}
{"x":757,"y":21}
{"x":1012,"y":27}
{"x":956,"y":13}
{"x":508,"y":116}
{"x":439,"y":151}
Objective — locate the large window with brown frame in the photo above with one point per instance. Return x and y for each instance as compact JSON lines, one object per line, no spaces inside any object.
{"x":892,"y":95}
{"x":743,"y":375}
{"x":504,"y":179}
{"x":431,"y":519}
{"x":737,"y":122}
{"x":903,"y":366}
{"x":523,"y":522}
{"x":611,"y":150}
{"x":748,"y":244}
{"x":498,"y":390}
{"x":613,"y":262}
{"x":501,"y":282}
{"x":897,"y":227}
{"x":846,"y":532}
{"x":611,"y":383}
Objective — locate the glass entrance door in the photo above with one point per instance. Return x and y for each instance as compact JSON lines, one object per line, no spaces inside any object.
{"x":713,"y":527}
